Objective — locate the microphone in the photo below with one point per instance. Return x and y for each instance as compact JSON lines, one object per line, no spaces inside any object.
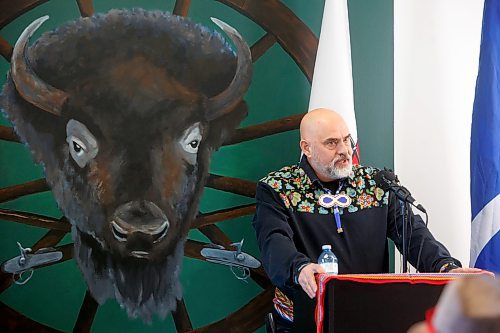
{"x":387,"y":180}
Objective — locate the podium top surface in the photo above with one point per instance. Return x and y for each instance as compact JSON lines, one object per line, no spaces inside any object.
{"x":390,"y":278}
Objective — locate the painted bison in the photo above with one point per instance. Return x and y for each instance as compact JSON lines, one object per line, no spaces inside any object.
{"x":124,"y":110}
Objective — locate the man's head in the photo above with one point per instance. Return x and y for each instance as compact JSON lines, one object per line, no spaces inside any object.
{"x":326,"y":142}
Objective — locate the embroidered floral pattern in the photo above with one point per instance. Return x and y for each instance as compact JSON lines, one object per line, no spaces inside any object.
{"x":323,"y":211}
{"x":317,"y":194}
{"x":352,"y":209}
{"x":365,"y":200}
{"x":360,"y":183}
{"x":297,"y":191}
{"x":379,"y":194}
{"x":305,"y":207}
{"x":285,"y":200}
{"x":294,"y":198}
{"x":275,"y":184}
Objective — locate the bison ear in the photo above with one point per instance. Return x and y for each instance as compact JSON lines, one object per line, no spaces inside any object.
{"x":223,"y":128}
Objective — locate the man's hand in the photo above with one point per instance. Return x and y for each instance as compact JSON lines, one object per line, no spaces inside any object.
{"x":471,"y":270}
{"x":307,"y":280}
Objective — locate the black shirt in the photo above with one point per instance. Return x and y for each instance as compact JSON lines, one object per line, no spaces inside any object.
{"x":291,"y":226}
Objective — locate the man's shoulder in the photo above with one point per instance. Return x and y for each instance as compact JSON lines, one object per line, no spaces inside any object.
{"x":292,"y":175}
{"x":364,"y":190}
{"x":363,"y":174}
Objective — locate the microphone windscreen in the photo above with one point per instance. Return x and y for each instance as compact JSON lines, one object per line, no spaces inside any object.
{"x":384,"y":179}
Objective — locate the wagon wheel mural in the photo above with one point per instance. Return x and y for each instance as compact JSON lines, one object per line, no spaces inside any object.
{"x":281,"y":26}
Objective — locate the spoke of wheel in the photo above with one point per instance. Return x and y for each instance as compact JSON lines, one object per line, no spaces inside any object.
{"x":181,"y":317}
{"x":248,"y":318}
{"x":227,"y":184}
{"x":240,"y":135}
{"x":222,"y":215}
{"x":181,"y":7}
{"x":216,"y":235}
{"x":291,"y":33}
{"x":13,"y":321}
{"x":193,"y":248}
{"x":5,"y":49}
{"x":8,"y":134}
{"x":50,"y":239}
{"x":37,"y":186}
{"x":265,"y":129}
{"x":86,"y":315}
{"x":231,"y":184}
{"x":9,"y":10}
{"x":35,"y":220}
{"x":16,"y":191}
{"x":86,"y":7}
{"x":262,"y":45}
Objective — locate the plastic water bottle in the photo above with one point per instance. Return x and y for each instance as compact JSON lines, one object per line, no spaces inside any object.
{"x":328,"y":260}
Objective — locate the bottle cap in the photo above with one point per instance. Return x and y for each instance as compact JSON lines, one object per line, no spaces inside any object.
{"x":326,"y":247}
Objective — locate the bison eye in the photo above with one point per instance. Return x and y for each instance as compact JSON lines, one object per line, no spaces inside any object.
{"x":78,"y":146}
{"x":191,"y":139}
{"x":194,"y":144}
{"x":82,"y":144}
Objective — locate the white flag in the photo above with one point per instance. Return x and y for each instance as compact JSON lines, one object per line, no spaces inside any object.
{"x":332,"y":81}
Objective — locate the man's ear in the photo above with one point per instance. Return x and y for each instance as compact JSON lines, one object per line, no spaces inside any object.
{"x":305,"y":147}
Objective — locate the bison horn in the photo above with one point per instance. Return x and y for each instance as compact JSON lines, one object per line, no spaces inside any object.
{"x":232,"y":95}
{"x":28,"y":84}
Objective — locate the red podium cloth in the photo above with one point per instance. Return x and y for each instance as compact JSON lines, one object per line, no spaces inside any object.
{"x":323,"y":279}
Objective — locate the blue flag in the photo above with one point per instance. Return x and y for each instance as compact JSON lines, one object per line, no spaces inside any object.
{"x":485,"y":147}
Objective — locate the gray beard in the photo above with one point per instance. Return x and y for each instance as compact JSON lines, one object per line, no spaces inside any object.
{"x":338,"y":173}
{"x":331,"y":170}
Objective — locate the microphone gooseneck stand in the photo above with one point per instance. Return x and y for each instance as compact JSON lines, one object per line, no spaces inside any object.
{"x":387,"y":180}
{"x":404,"y":218}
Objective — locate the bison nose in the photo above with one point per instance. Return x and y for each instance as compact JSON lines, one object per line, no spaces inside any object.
{"x":139,"y":217}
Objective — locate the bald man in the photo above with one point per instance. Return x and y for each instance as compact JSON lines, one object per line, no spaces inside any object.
{"x":293,"y":219}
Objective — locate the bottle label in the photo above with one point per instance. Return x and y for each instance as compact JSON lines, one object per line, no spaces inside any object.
{"x":331,"y":267}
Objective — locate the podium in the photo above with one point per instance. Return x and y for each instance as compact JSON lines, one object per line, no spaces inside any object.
{"x":368,"y":302}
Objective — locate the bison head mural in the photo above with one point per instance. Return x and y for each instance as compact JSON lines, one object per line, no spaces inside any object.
{"x":123,"y":110}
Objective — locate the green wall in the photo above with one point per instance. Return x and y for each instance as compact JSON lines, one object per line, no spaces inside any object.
{"x":278,"y":89}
